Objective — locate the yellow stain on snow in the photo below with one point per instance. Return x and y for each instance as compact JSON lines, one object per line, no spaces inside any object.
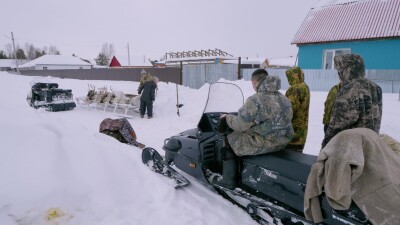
{"x":54,"y":215}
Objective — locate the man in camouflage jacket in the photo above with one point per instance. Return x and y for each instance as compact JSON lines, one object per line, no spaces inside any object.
{"x":299,"y":95}
{"x":263,"y":124}
{"x":359,"y":101}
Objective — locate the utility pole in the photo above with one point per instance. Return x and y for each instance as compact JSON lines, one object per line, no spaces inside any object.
{"x":129,"y":57}
{"x":15,"y":52}
{"x":239,"y":67}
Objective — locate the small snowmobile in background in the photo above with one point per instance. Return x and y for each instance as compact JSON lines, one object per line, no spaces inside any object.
{"x":50,"y":97}
{"x":270,"y":187}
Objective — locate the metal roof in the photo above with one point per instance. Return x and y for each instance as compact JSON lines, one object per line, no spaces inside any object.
{"x":370,"y":19}
{"x":65,"y":60}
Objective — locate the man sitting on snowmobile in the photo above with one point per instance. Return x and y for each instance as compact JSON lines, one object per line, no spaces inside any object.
{"x":262,"y":125}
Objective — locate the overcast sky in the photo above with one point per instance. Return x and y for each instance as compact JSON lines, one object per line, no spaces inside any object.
{"x":153,"y":27}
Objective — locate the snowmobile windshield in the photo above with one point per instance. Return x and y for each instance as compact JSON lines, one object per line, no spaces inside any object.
{"x":36,"y":80}
{"x":224,"y":97}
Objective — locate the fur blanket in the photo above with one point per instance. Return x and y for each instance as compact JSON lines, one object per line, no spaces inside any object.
{"x":356,"y":165}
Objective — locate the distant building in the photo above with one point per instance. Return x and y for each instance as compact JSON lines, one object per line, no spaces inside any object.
{"x":9,"y":64}
{"x":210,"y":56}
{"x":282,"y":62}
{"x":114,"y":62}
{"x":263,"y":62}
{"x":370,"y":28}
{"x":56,"y":62}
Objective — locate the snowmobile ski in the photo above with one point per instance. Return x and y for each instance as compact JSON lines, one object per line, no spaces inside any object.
{"x":156,"y":162}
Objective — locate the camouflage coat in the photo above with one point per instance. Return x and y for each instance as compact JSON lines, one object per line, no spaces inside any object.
{"x":263,"y":124}
{"x":299,"y":95}
{"x":359,"y":101}
{"x":329,"y":102}
{"x":121,"y":130}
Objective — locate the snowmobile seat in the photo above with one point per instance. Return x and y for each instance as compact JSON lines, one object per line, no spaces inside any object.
{"x":52,"y":85}
{"x":290,"y":164}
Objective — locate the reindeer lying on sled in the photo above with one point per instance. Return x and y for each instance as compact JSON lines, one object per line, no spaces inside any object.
{"x":102,"y":99}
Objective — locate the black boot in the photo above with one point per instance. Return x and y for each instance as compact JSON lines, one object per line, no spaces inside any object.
{"x":228,"y":171}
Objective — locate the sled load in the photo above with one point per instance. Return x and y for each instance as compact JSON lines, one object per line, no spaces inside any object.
{"x":270,"y":187}
{"x":121,"y":130}
{"x":118,"y":102}
{"x":49,"y":96}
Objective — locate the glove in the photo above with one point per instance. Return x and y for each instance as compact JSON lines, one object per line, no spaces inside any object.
{"x":223,"y":125}
{"x":139,"y":92}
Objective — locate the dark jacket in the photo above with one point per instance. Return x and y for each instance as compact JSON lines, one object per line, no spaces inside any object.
{"x":299,"y":95}
{"x":148,"y":91}
{"x":359,"y":101}
{"x":263,"y":124}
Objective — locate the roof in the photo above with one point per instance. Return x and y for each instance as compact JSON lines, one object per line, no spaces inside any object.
{"x":289,"y":61}
{"x":346,"y":20}
{"x":282,"y":62}
{"x":64,"y":60}
{"x":8,"y":63}
{"x":114,"y":62}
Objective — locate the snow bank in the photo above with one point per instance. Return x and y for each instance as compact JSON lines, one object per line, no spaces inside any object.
{"x":55,"y":168}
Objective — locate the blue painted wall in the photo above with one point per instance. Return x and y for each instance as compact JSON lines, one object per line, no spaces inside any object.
{"x":377,"y":54}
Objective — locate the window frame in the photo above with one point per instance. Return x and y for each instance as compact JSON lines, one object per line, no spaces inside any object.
{"x":334,"y":50}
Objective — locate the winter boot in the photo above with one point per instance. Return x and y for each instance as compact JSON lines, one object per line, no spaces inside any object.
{"x":228,"y":171}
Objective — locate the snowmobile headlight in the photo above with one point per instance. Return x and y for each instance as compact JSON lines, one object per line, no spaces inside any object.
{"x":172,"y":144}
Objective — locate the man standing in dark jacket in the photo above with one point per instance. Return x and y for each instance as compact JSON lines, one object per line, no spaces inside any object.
{"x":359,"y":101}
{"x":147,"y":88}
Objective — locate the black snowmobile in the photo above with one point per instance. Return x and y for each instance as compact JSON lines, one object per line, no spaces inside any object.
{"x":270,"y":187}
{"x":49,"y":96}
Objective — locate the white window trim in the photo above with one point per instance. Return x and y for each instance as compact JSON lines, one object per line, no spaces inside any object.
{"x":333,"y":56}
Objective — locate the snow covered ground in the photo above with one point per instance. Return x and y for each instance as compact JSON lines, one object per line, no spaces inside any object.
{"x":56,"y":168}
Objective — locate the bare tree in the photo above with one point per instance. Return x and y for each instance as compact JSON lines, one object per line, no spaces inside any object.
{"x":30,"y":51}
{"x":20,"y":53}
{"x":108,"y":50}
{"x":53,"y":50}
{"x":9,"y":51}
{"x":46,"y":50}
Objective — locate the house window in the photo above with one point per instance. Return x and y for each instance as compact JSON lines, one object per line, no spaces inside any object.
{"x":44,"y":67}
{"x":330,"y":54}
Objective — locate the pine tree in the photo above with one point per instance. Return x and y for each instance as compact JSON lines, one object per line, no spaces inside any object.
{"x":2,"y":55}
{"x":102,"y":59}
